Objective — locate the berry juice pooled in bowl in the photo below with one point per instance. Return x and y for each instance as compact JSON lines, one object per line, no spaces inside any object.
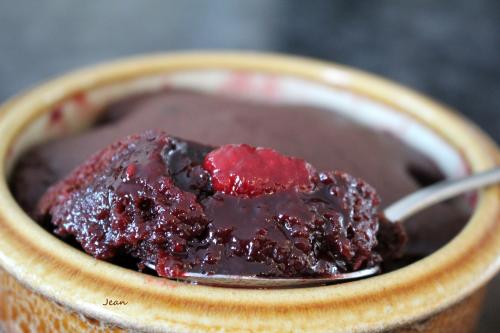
{"x":225,"y":205}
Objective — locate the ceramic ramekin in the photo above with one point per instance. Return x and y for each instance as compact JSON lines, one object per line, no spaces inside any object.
{"x":48,"y":286}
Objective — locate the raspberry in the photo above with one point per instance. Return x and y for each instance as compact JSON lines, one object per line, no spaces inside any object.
{"x":251,"y":171}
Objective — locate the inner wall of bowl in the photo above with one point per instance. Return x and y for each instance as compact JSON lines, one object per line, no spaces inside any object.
{"x":80,"y":109}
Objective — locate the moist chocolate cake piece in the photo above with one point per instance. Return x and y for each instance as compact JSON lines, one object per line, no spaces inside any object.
{"x":186,"y":207}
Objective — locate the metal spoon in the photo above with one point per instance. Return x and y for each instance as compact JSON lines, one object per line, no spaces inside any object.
{"x":398,"y":211}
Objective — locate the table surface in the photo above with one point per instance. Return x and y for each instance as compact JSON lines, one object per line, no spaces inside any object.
{"x":447,"y":49}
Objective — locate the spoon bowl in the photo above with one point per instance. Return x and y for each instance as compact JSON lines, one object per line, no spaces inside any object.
{"x":242,"y":281}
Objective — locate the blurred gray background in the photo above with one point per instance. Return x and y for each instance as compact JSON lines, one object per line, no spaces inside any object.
{"x":449,"y":49}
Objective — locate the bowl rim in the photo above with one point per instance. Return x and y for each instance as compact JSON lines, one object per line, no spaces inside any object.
{"x":43,"y":263}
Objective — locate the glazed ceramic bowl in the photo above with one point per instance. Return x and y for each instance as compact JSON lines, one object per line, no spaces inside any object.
{"x":48,"y":286}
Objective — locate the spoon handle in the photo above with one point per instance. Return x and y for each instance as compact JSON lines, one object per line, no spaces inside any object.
{"x":428,"y":196}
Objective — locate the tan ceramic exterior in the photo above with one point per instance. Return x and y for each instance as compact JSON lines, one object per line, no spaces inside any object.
{"x":47,"y":286}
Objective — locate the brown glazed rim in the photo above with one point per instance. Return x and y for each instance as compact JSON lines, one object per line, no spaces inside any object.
{"x":69,"y":277}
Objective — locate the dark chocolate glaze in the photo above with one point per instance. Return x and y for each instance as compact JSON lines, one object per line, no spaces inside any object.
{"x":149,"y":197}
